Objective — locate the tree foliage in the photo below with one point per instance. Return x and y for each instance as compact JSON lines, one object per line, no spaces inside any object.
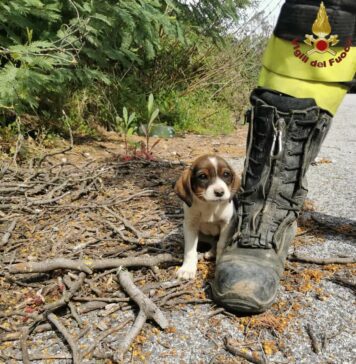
{"x":50,"y":48}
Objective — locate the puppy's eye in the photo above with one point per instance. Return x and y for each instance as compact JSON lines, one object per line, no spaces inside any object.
{"x":202,"y":176}
{"x":226,"y":174}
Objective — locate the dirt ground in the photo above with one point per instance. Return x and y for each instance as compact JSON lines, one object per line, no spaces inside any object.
{"x":88,"y":205}
{"x":184,"y":148}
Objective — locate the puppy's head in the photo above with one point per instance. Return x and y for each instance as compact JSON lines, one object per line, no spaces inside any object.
{"x":210,"y":178}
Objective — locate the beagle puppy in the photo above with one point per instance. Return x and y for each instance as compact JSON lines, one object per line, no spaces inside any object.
{"x":207,"y":189}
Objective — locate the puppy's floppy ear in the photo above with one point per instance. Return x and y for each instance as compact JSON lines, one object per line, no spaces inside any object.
{"x":183,"y":187}
{"x":235,"y":184}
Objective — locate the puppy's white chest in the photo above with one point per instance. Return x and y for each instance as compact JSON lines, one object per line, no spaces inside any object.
{"x":209,"y":219}
{"x":212,"y":229}
{"x":220,"y":214}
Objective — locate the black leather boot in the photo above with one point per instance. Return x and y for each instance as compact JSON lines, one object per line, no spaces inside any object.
{"x":285,"y":135}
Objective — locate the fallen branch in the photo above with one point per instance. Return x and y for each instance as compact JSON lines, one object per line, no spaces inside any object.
{"x":242,"y":354}
{"x":88,"y":265}
{"x":22,"y":283}
{"x":49,"y":265}
{"x":150,"y":309}
{"x":321,"y":261}
{"x":60,"y":327}
{"x":5,"y":239}
{"x":14,"y":336}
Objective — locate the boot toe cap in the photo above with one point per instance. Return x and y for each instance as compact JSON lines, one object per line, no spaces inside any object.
{"x":245,"y":287}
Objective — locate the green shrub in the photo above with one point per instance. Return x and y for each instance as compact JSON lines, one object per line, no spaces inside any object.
{"x":38,"y":37}
{"x":92,"y":58}
{"x":196,"y":113}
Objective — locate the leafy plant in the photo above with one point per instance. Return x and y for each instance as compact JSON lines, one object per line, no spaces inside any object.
{"x":125,"y":125}
{"x":152,"y":115}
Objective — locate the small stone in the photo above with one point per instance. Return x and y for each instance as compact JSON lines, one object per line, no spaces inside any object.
{"x":152,"y":292}
{"x":101,"y":326}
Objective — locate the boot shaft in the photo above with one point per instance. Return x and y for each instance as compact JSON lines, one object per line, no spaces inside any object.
{"x":281,"y":145}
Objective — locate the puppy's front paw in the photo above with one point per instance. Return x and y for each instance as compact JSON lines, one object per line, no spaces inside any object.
{"x":186,"y":272}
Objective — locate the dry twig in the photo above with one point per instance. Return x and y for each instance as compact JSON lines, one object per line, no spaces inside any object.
{"x":61,"y":328}
{"x":314,"y":341}
{"x":127,"y":224}
{"x":74,"y":313}
{"x":131,"y":335}
{"x":118,"y":231}
{"x":24,"y":348}
{"x":242,"y":354}
{"x":320,"y":261}
{"x":65,"y":150}
{"x":5,"y":239}
{"x":335,"y":229}
{"x":343,"y":282}
{"x":106,"y":333}
{"x":42,"y":357}
{"x":67,"y":296}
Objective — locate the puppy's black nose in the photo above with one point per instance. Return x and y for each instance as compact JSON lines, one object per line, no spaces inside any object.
{"x":219,"y":193}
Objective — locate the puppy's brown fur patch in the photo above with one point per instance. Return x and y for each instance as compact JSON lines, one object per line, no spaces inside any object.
{"x":196,"y":179}
{"x":183,"y":187}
